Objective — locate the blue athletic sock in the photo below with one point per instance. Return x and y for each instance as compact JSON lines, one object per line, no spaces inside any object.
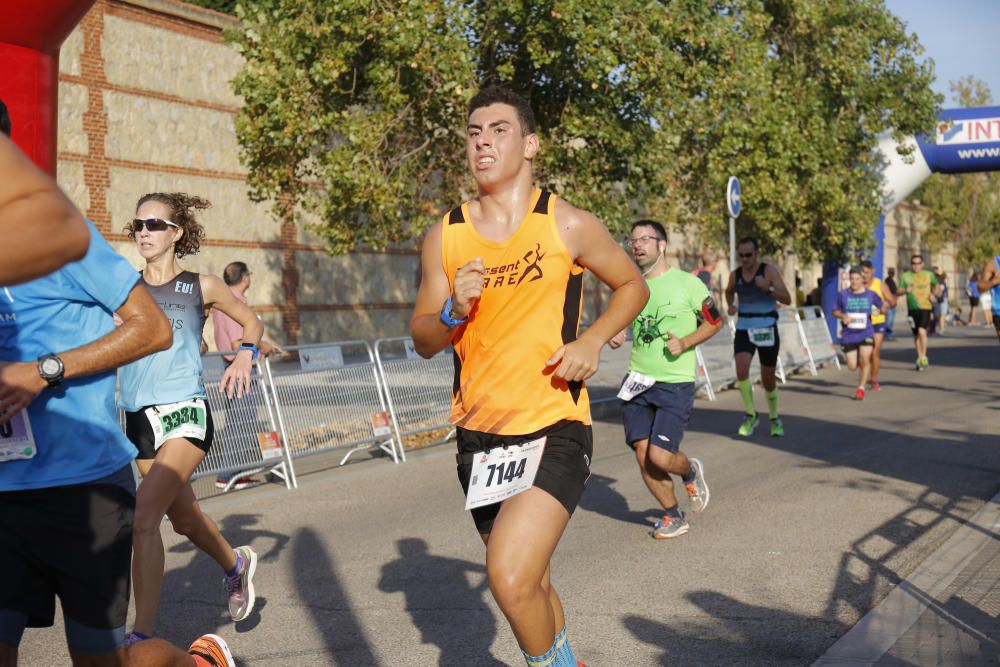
{"x":236,"y":568}
{"x":138,"y":635}
{"x":674,"y":512}
{"x":560,"y":655}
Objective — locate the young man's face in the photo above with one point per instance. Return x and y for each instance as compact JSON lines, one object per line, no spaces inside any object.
{"x":495,"y":145}
{"x":868,"y":273}
{"x":857,"y":281}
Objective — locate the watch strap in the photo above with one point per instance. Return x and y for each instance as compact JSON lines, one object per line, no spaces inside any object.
{"x":446,"y":317}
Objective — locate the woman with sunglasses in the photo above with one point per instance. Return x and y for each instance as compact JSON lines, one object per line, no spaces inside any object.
{"x":166,"y":415}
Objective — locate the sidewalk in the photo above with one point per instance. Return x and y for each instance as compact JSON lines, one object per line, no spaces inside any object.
{"x":945,"y":613}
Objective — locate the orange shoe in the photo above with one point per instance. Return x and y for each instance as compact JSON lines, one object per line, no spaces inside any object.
{"x":212,"y":650}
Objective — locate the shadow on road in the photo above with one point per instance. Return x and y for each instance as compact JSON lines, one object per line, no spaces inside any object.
{"x":441,"y":592}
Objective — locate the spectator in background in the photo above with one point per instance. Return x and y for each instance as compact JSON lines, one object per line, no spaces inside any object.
{"x":710,"y":273}
{"x":228,"y":338}
{"x":800,"y":296}
{"x":972,"y":291}
{"x":815,"y":297}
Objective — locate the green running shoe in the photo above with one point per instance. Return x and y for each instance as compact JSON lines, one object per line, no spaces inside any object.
{"x":749,"y":424}
{"x":777,"y":428}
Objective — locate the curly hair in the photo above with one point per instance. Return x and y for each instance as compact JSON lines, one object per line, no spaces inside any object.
{"x":182,"y":210}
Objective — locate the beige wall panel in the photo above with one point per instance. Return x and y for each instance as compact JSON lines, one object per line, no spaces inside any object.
{"x":358,"y":278}
{"x":143,"y":56}
{"x":69,"y":53}
{"x":232,"y":215}
{"x":351,"y":325}
{"x":70,"y":178}
{"x":73,"y":99}
{"x":142,"y":129}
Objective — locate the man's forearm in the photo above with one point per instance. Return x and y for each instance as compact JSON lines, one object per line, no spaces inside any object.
{"x":135,"y":338}
{"x":704,"y":331}
{"x":626,"y":303}
{"x":430,"y":335}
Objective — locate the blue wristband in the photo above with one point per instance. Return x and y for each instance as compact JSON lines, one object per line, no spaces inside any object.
{"x":253,"y":350}
{"x":446,"y":317}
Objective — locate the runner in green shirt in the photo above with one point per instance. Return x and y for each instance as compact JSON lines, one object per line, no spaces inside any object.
{"x":658,"y":393}
{"x":920,"y":287}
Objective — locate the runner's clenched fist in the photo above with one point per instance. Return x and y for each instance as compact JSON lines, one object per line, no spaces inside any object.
{"x":468,"y":287}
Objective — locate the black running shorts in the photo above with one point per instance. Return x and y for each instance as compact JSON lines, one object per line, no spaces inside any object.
{"x":140,"y":432}
{"x":562,"y":473}
{"x":74,"y":542}
{"x":920,"y":318}
{"x":768,"y":355}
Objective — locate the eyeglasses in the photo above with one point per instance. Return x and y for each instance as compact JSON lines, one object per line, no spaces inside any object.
{"x":745,"y":255}
{"x":152,"y":224}
{"x":916,"y":261}
{"x":630,"y":243}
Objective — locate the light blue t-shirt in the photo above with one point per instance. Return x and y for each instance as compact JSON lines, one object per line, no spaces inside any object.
{"x":75,"y":426}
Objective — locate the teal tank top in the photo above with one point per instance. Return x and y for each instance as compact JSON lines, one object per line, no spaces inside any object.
{"x":173,"y":374}
{"x":756,"y":309}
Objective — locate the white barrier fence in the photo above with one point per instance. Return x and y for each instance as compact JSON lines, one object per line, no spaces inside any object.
{"x":248,"y":432}
{"x":816,"y":337}
{"x":330,"y":398}
{"x":349,"y":395}
{"x":417,"y":390}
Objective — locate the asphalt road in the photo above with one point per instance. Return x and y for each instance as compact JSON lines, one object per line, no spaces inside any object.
{"x":377,"y":564}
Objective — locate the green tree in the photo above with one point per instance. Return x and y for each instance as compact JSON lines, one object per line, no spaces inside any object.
{"x":965,"y":208}
{"x":354,"y":109}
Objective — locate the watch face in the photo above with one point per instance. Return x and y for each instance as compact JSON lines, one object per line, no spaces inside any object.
{"x":51,"y":367}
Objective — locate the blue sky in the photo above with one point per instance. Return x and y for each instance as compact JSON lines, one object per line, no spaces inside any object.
{"x":960,"y":35}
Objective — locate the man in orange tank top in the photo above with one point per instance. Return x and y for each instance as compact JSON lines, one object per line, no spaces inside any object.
{"x":496,"y":272}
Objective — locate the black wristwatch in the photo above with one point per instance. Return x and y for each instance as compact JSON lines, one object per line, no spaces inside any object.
{"x":51,"y":368}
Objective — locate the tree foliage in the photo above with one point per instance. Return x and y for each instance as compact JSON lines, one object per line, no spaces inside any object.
{"x":965,"y":208}
{"x":354,"y":109}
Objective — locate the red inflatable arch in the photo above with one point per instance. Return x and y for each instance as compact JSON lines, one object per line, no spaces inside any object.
{"x":30,"y":36}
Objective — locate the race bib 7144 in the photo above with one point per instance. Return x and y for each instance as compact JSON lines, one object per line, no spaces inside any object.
{"x":503,"y":472}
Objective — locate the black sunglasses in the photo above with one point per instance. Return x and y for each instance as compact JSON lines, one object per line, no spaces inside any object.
{"x":745,"y":255}
{"x":152,"y":224}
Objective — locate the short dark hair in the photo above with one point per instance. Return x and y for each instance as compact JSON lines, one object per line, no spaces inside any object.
{"x":661,"y":233}
{"x":867,"y":264}
{"x":913,"y":257}
{"x":751,"y":240}
{"x":4,"y":119}
{"x":498,"y":95}
{"x":234,"y":273}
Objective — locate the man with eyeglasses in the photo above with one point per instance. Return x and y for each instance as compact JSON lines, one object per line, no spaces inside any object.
{"x":658,"y":393}
{"x":919,"y":285}
{"x":759,"y":289}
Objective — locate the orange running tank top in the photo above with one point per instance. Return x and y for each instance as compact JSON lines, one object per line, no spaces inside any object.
{"x":530,"y":306}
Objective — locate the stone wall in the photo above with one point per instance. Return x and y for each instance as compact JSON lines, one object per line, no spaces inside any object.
{"x":145,"y":105}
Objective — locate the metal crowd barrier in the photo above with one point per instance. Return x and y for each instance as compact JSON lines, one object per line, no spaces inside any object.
{"x":418,"y":390}
{"x":715,"y":360}
{"x":794,"y":352}
{"x":248,"y":431}
{"x":330,"y":398}
{"x":817,"y":337}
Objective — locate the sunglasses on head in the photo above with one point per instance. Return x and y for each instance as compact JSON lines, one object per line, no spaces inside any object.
{"x":152,"y":224}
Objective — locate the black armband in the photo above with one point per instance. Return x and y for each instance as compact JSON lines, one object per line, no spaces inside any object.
{"x":710,"y":311}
